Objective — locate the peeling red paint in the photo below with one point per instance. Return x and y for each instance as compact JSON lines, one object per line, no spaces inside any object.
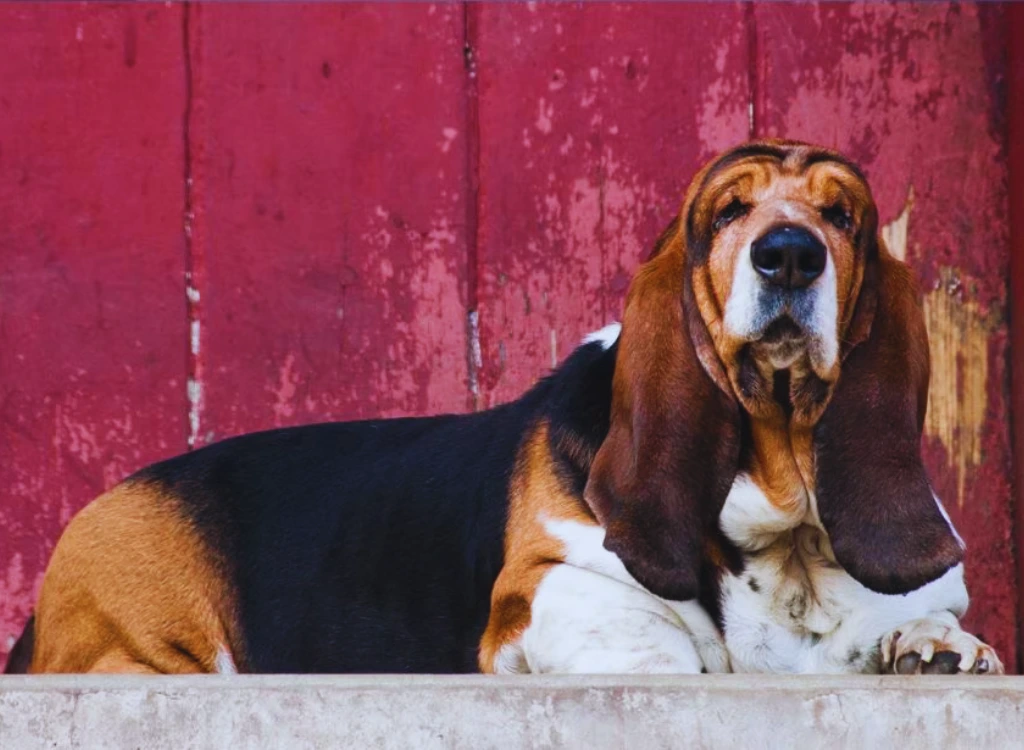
{"x":274,"y":214}
{"x":335,"y":269}
{"x":592,"y":119}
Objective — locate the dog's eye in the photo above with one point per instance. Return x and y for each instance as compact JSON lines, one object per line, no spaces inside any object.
{"x":838,"y":217}
{"x":730,"y":213}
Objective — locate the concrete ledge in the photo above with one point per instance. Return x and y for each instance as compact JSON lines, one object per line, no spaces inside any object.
{"x":476,"y":712}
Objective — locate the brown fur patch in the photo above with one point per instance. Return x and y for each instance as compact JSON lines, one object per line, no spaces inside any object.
{"x":535,"y":495}
{"x":775,"y":458}
{"x":132,"y":588}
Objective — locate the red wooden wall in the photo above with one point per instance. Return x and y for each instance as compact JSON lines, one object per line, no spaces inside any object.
{"x":218,"y":218}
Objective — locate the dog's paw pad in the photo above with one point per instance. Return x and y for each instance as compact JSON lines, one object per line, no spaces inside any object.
{"x":929,"y":646}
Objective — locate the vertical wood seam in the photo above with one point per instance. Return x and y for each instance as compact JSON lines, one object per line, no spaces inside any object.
{"x":1015,"y":168}
{"x":474,"y":363}
{"x":754,"y":106}
{"x":194,"y":257}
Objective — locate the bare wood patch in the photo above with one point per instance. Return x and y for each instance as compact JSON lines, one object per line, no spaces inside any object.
{"x":958,"y":331}
{"x":895,"y":232}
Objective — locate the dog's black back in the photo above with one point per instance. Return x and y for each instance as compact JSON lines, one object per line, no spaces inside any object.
{"x":372,"y":546}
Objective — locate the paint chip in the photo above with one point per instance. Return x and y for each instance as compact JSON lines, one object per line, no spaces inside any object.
{"x":545,"y":112}
{"x":895,"y":232}
{"x":958,"y":334}
{"x":475,"y":357}
{"x":450,"y":135}
{"x":194,"y":390}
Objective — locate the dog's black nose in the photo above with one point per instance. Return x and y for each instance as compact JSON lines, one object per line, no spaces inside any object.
{"x":789,"y":256}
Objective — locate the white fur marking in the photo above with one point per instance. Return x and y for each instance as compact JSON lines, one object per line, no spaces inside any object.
{"x":510,"y":659}
{"x":741,"y":308}
{"x":605,"y":336}
{"x":825,"y":319}
{"x":750,"y":520}
{"x":589,"y":615}
{"x":223,"y":663}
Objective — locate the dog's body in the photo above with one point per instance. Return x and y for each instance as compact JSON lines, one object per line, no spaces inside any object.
{"x":352,"y":547}
{"x":731,"y":481}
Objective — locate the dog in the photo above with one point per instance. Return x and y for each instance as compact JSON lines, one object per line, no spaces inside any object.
{"x":730,"y":480}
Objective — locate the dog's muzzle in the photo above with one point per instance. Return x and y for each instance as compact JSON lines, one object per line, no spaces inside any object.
{"x":793,"y":314}
{"x":783,"y":298}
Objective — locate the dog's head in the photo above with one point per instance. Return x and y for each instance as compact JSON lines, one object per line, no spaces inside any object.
{"x":772,"y":297}
{"x":778,"y":236}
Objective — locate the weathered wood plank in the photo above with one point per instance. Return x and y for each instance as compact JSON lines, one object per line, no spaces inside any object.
{"x":329,"y":178}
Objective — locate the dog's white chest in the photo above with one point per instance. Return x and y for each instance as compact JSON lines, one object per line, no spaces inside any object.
{"x":793,"y":609}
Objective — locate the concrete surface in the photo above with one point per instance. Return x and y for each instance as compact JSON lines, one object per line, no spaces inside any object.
{"x":477,"y":712}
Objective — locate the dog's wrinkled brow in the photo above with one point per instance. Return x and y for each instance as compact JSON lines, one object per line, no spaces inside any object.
{"x":819,"y":157}
{"x":755,"y":150}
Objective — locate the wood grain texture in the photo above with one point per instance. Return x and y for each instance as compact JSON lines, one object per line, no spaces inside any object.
{"x":92,"y":334}
{"x":329,"y":169}
{"x":593,"y":118}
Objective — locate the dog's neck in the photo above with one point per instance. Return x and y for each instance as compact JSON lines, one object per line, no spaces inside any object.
{"x":777,"y":458}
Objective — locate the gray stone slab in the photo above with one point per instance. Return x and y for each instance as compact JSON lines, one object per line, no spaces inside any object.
{"x":478,"y":712}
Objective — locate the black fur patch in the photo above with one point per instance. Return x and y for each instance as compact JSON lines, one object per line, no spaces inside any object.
{"x":373,"y":546}
{"x":20,"y":658}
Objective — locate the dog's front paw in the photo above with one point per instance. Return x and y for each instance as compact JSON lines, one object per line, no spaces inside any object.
{"x":931,"y":646}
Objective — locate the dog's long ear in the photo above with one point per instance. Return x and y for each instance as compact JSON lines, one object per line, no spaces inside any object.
{"x":884,"y":522}
{"x":662,"y":473}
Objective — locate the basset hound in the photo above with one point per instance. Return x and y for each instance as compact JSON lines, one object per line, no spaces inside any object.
{"x":731,"y":480}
